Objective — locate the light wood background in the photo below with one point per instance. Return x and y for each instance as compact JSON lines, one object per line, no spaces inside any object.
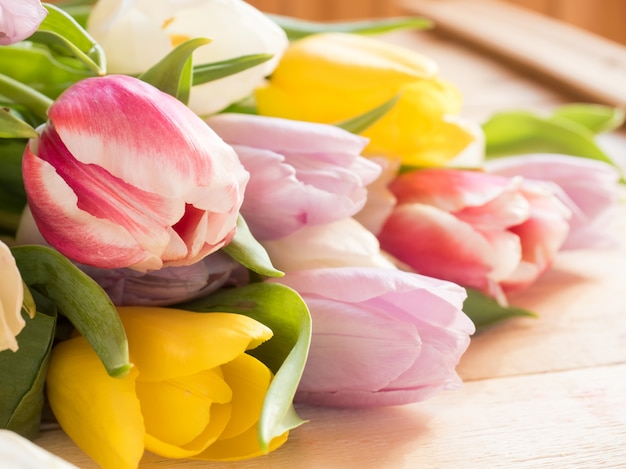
{"x":604,"y":17}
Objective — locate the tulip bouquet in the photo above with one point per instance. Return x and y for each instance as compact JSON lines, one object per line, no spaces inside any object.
{"x":210,"y":213}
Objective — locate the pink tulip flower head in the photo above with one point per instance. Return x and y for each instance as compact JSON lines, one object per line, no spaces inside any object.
{"x":19,"y":19}
{"x":124,"y":175}
{"x":380,"y":336}
{"x":301,"y":173}
{"x":488,"y":232}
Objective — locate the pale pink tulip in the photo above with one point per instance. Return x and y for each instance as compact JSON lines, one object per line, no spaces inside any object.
{"x":484,"y":231}
{"x":19,"y":19}
{"x":343,"y":243}
{"x":124,"y":175}
{"x":380,"y":336}
{"x":301,"y":173}
{"x":588,"y":187}
{"x":11,"y":297}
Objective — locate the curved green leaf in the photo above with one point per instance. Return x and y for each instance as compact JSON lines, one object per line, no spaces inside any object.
{"x":297,"y":29}
{"x":246,"y":250}
{"x":59,"y":28}
{"x":595,"y":117}
{"x":13,"y":127}
{"x":172,"y":74}
{"x":214,"y":71}
{"x":484,"y":311}
{"x":23,"y":94}
{"x":282,"y":310}
{"x":358,"y":124}
{"x":37,"y":68}
{"x":22,"y":396}
{"x":80,"y":299}
{"x":519,"y":132}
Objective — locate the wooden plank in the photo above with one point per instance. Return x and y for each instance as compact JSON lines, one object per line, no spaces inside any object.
{"x":591,"y":66}
{"x":569,"y":419}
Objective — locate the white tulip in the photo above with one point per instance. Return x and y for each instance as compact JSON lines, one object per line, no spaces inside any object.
{"x":11,"y":298}
{"x":16,"y":452}
{"x":136,"y":34}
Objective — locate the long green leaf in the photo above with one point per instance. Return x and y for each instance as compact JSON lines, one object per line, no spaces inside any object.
{"x":283,"y":311}
{"x":78,"y":298}
{"x":172,"y":74}
{"x":214,"y":71}
{"x":358,"y":124}
{"x":13,"y":127}
{"x":595,"y":117}
{"x":484,"y":311}
{"x":519,"y":132}
{"x":297,"y":29}
{"x":246,"y":250}
{"x":22,"y":376}
{"x":23,"y":94}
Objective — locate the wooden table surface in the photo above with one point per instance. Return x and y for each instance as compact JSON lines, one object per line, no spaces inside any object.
{"x":546,"y":392}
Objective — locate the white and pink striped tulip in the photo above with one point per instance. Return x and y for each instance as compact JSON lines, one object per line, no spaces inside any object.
{"x":124,"y":175}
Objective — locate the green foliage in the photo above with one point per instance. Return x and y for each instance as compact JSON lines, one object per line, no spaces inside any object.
{"x":485,"y":311}
{"x":358,"y":124}
{"x":297,"y":29}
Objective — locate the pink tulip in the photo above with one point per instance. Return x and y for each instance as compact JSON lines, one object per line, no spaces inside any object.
{"x":19,"y":19}
{"x":483,"y":231}
{"x":380,"y":336}
{"x":124,"y":175}
{"x":301,"y":173}
{"x":590,"y":188}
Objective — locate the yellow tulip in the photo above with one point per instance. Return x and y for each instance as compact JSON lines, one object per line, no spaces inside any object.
{"x":333,"y":77}
{"x":193,"y":392}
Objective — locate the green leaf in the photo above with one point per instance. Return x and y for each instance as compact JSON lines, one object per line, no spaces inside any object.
{"x":214,"y":71}
{"x":246,"y":250}
{"x":28,"y":303}
{"x":485,"y":311}
{"x":37,"y":68}
{"x":60,"y":29}
{"x":282,"y":310}
{"x":297,"y":29}
{"x":12,"y":193}
{"x":22,"y":377}
{"x":358,"y":124}
{"x":520,"y":132}
{"x":80,"y":299}
{"x":172,"y":74}
{"x":594,"y":117}
{"x":14,"y":127}
{"x":23,"y":94}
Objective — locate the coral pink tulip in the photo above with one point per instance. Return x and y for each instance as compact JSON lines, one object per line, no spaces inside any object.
{"x":484,"y":231}
{"x":301,"y":173}
{"x":380,"y":336}
{"x":589,"y":187}
{"x":124,"y":175}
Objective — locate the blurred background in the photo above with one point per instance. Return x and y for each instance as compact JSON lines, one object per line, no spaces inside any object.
{"x":606,"y":18}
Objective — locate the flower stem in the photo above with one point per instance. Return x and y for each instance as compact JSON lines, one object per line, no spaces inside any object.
{"x":23,"y":94}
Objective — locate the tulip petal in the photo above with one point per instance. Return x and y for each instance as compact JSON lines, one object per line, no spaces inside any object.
{"x":11,"y":298}
{"x":220,"y":415}
{"x":249,"y":380}
{"x":100,"y":413}
{"x":243,"y":446}
{"x":187,"y":342}
{"x":178,"y":410}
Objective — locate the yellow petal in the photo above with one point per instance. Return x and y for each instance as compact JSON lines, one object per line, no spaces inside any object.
{"x":244,"y":446}
{"x":249,"y":379}
{"x":166,"y":343}
{"x":220,"y":415}
{"x":179,"y":410}
{"x":350,"y":61}
{"x":99,"y":413}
